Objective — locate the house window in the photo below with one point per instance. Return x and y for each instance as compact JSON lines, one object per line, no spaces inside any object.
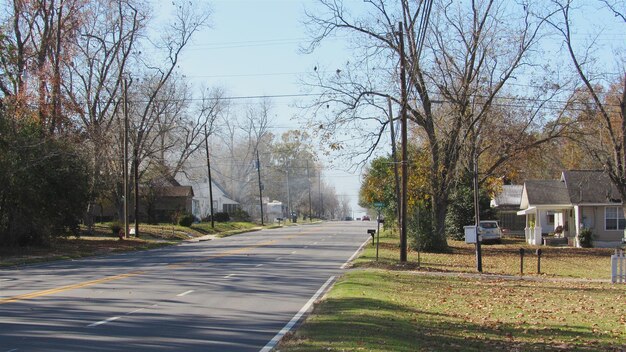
{"x":614,"y":218}
{"x":230,"y":208}
{"x":551,"y":218}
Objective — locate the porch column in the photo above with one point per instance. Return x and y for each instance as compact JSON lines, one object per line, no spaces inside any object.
{"x":536,"y":238}
{"x":577,"y":224}
{"x":527,"y":228}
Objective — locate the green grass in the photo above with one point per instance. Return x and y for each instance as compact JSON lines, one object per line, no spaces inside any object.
{"x":377,"y":310}
{"x":384,"y":306}
{"x":224,"y":229}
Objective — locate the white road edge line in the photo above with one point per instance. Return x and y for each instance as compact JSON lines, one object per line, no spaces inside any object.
{"x":103,"y":322}
{"x":184,"y":293}
{"x":229,"y":276}
{"x":345,"y":265}
{"x":273,"y":342}
{"x":136,"y":311}
{"x":13,"y":350}
{"x":258,"y":265}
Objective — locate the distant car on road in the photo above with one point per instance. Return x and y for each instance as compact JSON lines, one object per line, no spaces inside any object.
{"x":366,"y":218}
{"x":490,"y":231}
{"x":347,"y":218}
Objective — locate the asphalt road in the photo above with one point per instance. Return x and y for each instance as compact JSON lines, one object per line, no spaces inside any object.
{"x":239,"y":293}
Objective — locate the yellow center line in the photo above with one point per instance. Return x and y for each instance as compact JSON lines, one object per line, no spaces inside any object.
{"x":133,"y":273}
{"x":67,"y":288}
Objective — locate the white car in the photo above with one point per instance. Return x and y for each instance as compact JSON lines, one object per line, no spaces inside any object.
{"x":490,"y":231}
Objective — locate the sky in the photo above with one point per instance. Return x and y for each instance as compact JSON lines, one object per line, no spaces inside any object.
{"x":253,"y":49}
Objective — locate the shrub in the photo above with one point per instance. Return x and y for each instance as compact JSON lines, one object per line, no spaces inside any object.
{"x":185,"y":219}
{"x":222,"y":217}
{"x":219,"y":217}
{"x":44,"y":184}
{"x":585,"y":238}
{"x":461,"y":209}
{"x":240,"y":215}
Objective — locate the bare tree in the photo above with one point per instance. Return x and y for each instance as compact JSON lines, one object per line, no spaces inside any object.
{"x":459,"y":58}
{"x":598,"y":101}
{"x":37,"y":41}
{"x":103,"y":52}
{"x":157,"y":95}
{"x":241,"y":136}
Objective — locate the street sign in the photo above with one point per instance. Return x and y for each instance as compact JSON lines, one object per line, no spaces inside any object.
{"x":379,"y":204}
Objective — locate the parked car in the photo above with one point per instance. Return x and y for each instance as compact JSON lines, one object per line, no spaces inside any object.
{"x":366,"y":218}
{"x":490,"y":231}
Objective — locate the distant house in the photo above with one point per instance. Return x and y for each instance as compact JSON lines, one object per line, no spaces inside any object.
{"x":507,"y":204}
{"x":162,"y":201}
{"x":580,"y":199}
{"x":222,"y":202}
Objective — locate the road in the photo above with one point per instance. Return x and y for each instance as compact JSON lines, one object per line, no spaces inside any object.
{"x":239,"y":293}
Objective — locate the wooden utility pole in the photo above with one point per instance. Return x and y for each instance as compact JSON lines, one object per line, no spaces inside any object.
{"x":208,"y":166}
{"x":308,"y":180}
{"x":479,"y":259}
{"x":136,"y":179}
{"x":288,"y":197}
{"x":394,"y":157}
{"x":125,"y":107}
{"x":258,"y":169}
{"x":319,"y":178}
{"x":405,"y":174}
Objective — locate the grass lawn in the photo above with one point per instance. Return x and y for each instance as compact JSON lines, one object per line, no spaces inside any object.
{"x":224,"y":229}
{"x":101,"y":241}
{"x":72,"y":248}
{"x":378,"y":310}
{"x":587,"y":263}
{"x":382,"y":306}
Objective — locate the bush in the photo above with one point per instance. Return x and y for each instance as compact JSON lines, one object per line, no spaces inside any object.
{"x":461,"y":209}
{"x":185,"y":219}
{"x":222,"y":217}
{"x":44,"y":185}
{"x":240,"y":215}
{"x":219,"y":217}
{"x":585,"y":238}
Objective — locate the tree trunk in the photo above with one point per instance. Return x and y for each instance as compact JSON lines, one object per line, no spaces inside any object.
{"x":438,"y":241}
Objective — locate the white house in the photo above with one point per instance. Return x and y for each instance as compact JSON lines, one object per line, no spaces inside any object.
{"x":200,"y":203}
{"x":580,"y":199}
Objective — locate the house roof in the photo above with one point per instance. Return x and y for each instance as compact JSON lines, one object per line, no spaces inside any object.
{"x":176,"y":191}
{"x":509,"y":197}
{"x":590,"y":187}
{"x":546,"y":192}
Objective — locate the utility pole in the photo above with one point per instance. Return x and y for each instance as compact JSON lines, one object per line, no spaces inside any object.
{"x":319,"y":178}
{"x":125,"y":107}
{"x":258,"y":169}
{"x":288,"y":197}
{"x":208,"y":166}
{"x":136,"y":178}
{"x":405,"y":174}
{"x":308,"y":180}
{"x":394,"y":157}
{"x":479,"y":259}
